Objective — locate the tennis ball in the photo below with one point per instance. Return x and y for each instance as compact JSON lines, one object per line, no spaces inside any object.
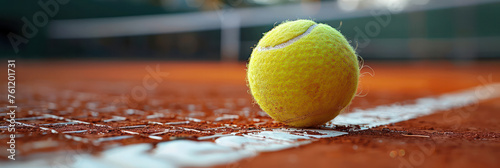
{"x":303,"y":73}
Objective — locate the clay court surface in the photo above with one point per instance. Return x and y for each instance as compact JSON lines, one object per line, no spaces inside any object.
{"x":81,"y":105}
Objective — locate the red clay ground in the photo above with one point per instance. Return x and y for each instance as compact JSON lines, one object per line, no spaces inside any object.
{"x":94,"y":92}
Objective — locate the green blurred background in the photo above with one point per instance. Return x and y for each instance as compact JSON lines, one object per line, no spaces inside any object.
{"x":417,"y":29}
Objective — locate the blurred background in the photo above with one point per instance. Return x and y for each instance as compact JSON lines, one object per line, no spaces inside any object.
{"x":227,"y":30}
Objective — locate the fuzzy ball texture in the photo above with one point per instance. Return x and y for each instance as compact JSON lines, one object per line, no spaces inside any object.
{"x":302,"y":73}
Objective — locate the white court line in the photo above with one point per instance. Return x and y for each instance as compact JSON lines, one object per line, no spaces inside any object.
{"x":250,"y":145}
{"x":383,"y":115}
{"x":228,"y":149}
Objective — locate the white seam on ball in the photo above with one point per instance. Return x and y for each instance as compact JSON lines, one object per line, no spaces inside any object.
{"x":289,"y":42}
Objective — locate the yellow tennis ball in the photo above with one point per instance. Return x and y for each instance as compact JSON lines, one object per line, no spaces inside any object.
{"x":303,"y":73}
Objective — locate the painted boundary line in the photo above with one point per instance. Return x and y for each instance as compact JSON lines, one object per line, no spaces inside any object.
{"x":228,"y":149}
